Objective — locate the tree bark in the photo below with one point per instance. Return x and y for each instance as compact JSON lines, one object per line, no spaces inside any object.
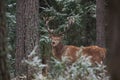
{"x":20,"y":37}
{"x":27,"y":34}
{"x":4,"y":75}
{"x":113,"y":38}
{"x":100,"y":22}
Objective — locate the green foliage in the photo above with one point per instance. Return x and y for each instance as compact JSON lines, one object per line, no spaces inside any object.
{"x":82,"y":69}
{"x":83,"y":31}
{"x":45,"y":46}
{"x":11,"y":23}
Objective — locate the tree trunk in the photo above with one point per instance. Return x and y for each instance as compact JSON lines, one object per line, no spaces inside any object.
{"x":100,"y":22}
{"x":113,"y":38}
{"x":20,"y":37}
{"x":27,"y":34}
{"x":4,"y":75}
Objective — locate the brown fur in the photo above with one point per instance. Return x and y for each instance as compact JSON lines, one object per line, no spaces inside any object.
{"x":97,"y":53}
{"x":68,"y":51}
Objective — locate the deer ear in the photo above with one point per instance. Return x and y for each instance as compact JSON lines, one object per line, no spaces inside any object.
{"x":50,"y":36}
{"x":62,"y":36}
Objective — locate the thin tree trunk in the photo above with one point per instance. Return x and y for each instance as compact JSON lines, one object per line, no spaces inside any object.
{"x":113,"y":38}
{"x":100,"y":18}
{"x":4,"y":75}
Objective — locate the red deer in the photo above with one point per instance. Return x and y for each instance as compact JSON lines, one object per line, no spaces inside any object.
{"x":59,"y":49}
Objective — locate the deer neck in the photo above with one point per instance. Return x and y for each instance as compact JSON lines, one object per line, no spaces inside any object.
{"x":58,"y":50}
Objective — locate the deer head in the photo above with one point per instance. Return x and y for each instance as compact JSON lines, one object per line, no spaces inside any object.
{"x":56,"y":40}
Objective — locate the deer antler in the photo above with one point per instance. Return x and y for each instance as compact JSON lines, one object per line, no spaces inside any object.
{"x":47,"y":20}
{"x":71,"y":21}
